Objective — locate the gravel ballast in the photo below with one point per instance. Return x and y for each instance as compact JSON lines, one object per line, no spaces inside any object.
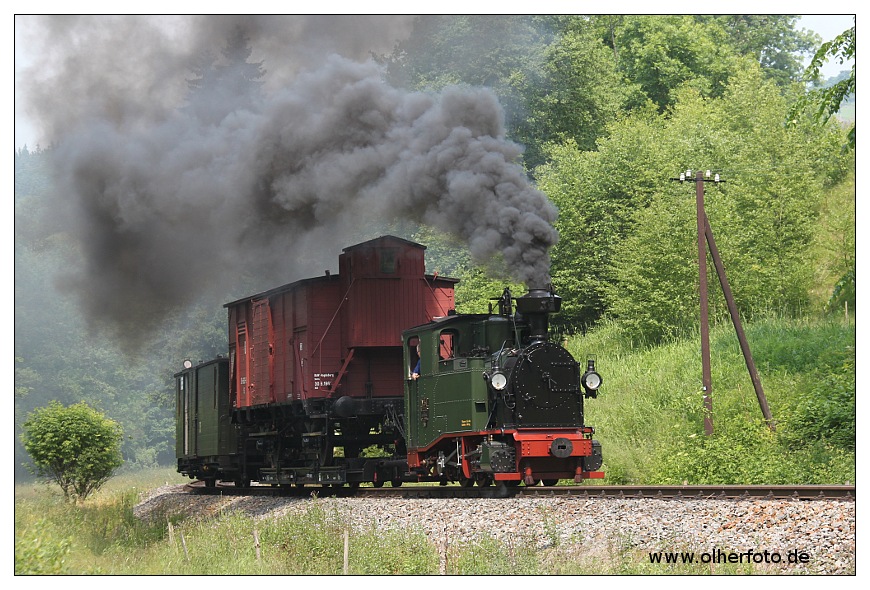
{"x":817,"y":536}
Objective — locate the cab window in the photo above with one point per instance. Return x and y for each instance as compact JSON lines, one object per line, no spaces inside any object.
{"x":446,"y":349}
{"x":412,"y":354}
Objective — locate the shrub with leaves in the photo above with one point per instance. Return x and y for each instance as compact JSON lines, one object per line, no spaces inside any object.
{"x":38,"y":552}
{"x":826,"y":411}
{"x":77,"y":447}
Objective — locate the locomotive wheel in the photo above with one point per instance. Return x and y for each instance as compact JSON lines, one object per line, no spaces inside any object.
{"x":484,"y":481}
{"x":396,"y":483}
{"x":377,"y":484}
{"x":242,"y":483}
{"x":536,"y":482}
{"x":210,"y":482}
{"x":550,"y":482}
{"x":465,"y":482}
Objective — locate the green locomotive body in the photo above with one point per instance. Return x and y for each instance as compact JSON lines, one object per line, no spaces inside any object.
{"x":496,"y":401}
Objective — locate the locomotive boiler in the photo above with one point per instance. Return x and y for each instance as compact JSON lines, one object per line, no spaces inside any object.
{"x":317,"y":386}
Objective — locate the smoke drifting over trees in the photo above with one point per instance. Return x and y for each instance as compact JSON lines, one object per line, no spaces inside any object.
{"x":171,"y":193}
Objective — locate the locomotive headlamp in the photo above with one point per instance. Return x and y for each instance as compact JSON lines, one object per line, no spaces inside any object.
{"x":187,"y":363}
{"x":591,"y":380}
{"x":498,"y":381}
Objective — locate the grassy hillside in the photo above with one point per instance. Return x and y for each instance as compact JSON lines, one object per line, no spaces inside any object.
{"x":649,"y":413}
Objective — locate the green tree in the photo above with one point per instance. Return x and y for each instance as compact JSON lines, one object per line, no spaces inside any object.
{"x":661,"y":53}
{"x":574,"y":95}
{"x":771,"y":39}
{"x":654,"y":293}
{"x":596,"y":193}
{"x":825,"y":102}
{"x":763,"y":217}
{"x":627,"y":233}
{"x":77,"y":447}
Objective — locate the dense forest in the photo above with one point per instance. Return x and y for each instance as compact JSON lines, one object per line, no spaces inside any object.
{"x":605,"y":110}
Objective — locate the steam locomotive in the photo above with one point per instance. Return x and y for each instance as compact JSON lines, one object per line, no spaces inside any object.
{"x":371,"y":376}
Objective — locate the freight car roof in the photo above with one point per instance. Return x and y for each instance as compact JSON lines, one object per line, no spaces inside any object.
{"x":374,"y":243}
{"x":384,"y":238}
{"x":283,"y":288}
{"x":324,"y":278}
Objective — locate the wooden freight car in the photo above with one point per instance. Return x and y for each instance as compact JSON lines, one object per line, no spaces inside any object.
{"x":317,"y":365}
{"x":333,"y":336}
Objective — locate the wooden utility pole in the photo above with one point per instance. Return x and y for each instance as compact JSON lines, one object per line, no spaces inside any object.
{"x":706,"y":378}
{"x":705,"y":235}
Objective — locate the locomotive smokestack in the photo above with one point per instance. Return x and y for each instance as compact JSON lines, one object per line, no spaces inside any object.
{"x":536,"y":306}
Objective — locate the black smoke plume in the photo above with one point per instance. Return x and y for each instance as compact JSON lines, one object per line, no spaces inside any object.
{"x":172,"y":193}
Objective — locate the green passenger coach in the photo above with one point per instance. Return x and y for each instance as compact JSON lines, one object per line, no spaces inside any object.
{"x":204,"y":436}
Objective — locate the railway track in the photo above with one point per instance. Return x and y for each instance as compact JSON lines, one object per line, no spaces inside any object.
{"x":686,"y":492}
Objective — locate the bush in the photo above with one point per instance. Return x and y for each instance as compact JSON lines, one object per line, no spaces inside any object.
{"x":39,"y":553}
{"x":77,"y":447}
{"x":826,"y":412}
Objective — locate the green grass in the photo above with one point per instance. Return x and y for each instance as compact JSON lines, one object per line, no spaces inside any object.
{"x":101,"y":537}
{"x":649,"y":413}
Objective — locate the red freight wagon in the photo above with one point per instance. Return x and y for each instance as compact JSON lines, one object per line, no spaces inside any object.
{"x":336,"y":335}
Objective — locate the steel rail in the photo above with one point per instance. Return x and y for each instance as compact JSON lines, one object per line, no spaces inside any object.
{"x":684,"y":492}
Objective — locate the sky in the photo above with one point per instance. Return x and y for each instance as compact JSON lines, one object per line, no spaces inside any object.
{"x":827,"y":26}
